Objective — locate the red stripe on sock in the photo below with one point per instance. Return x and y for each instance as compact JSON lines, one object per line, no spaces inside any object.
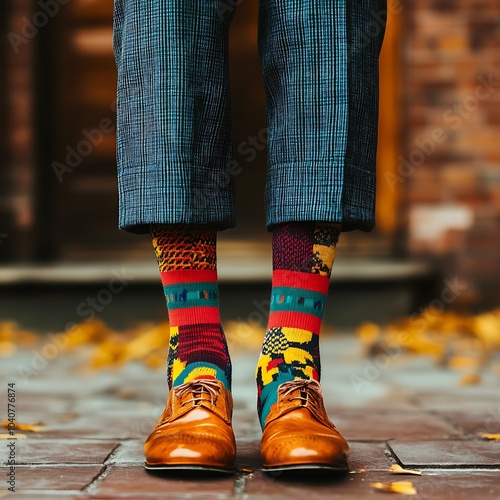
{"x":188,"y":276}
{"x":274,"y":363}
{"x":194,"y":315}
{"x":306,"y":281}
{"x":204,"y":377}
{"x":289,"y":319}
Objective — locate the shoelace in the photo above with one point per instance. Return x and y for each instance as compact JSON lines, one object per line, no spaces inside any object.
{"x":310,"y":392}
{"x":198,"y":388}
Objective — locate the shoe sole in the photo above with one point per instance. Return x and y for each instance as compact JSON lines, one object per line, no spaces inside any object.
{"x":306,"y":467}
{"x":189,"y":467}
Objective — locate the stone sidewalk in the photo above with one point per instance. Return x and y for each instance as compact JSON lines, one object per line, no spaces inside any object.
{"x":401,"y":410}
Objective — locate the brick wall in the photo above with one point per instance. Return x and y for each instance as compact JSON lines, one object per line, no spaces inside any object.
{"x":450,"y":170}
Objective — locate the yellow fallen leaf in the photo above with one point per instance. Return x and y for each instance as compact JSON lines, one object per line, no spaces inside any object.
{"x":7,"y":348}
{"x":403,"y":487}
{"x":470,"y":379}
{"x":489,"y":437}
{"x":460,"y":362}
{"x":16,"y":436}
{"x":243,"y":333}
{"x":368,"y":333}
{"x":35,"y":427}
{"x":486,"y":326}
{"x":153,"y":361}
{"x":397,"y":469}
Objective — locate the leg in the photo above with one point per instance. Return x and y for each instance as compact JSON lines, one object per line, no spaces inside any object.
{"x":174,"y":149}
{"x":199,"y":366}
{"x":187,"y":261}
{"x":320,"y":63}
{"x":320,"y":67}
{"x":173,"y":113}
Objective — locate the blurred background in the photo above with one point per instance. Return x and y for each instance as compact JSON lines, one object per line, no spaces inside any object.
{"x":438,"y":201}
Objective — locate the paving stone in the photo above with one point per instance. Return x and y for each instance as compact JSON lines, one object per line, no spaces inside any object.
{"x":135,"y":480}
{"x":293,"y":486}
{"x":41,"y":495}
{"x":472,"y":454}
{"x":246,"y":424}
{"x":59,"y":478}
{"x":435,"y":485}
{"x":32,"y":404}
{"x":136,"y":423}
{"x":465,"y":399}
{"x":129,"y":452}
{"x":62,"y":451}
{"x":474,"y":422}
{"x":368,"y":456}
{"x":366,"y":425}
{"x":248,"y":454}
{"x":458,"y":485}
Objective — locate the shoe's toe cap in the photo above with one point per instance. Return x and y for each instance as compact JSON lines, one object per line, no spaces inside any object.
{"x":202,"y":449}
{"x":289,"y":442}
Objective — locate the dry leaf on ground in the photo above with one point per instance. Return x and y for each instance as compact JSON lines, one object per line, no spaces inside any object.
{"x":463,"y":362}
{"x":397,"y":469}
{"x":489,"y":437}
{"x":403,"y":487}
{"x":368,"y":333}
{"x":35,"y":427}
{"x":470,"y":379}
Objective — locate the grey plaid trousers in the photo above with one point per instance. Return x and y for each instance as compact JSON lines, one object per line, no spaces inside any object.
{"x":320,"y":66}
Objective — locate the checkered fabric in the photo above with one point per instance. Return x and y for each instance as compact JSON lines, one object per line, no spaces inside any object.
{"x":320,"y":65}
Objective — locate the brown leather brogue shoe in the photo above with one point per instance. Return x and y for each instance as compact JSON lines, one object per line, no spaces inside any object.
{"x":298,"y":434}
{"x":194,"y":431}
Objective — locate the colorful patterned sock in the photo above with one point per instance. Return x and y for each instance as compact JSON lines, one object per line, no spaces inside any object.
{"x":187,"y":260}
{"x":303,"y":255}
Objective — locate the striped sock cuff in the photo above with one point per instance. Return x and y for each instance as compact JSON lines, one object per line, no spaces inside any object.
{"x":298,"y":300}
{"x":192,"y":296}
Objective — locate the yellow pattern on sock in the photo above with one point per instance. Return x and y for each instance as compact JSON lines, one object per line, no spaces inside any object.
{"x":200,"y":371}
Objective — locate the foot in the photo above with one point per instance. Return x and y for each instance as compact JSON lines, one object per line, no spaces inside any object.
{"x":298,"y":434}
{"x":194,"y":431}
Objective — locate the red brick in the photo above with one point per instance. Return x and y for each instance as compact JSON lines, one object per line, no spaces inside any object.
{"x":55,"y":478}
{"x":135,"y":480}
{"x":59,"y":451}
{"x":470,"y":454}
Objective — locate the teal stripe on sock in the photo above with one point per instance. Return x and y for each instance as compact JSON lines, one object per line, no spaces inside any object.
{"x":191,"y":295}
{"x":297,"y":300}
{"x":269,"y":394}
{"x":219,"y":375}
